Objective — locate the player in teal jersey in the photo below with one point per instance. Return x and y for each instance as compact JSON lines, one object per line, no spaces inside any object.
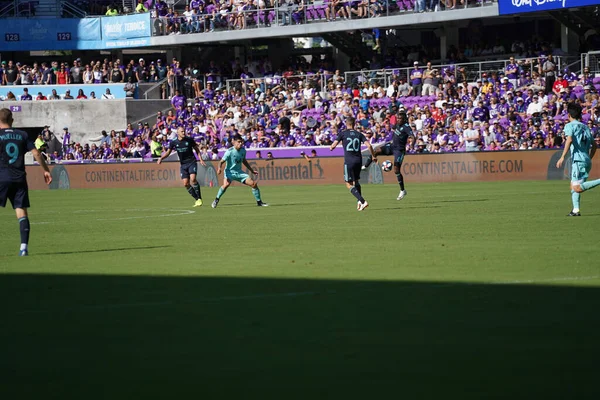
{"x":582,"y":147}
{"x":233,"y":159}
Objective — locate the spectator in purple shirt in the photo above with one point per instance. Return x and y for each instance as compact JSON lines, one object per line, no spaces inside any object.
{"x":26,"y":96}
{"x":178,"y":100}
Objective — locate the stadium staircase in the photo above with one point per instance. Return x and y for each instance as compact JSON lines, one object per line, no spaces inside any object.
{"x":349,"y":44}
{"x":45,"y":8}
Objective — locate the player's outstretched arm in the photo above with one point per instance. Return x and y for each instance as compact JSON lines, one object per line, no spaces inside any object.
{"x":247,"y":164}
{"x":370,"y":147}
{"x":165,"y":155}
{"x":40,"y":159}
{"x":334,"y":145}
{"x":220,"y":167}
{"x":561,"y":160}
{"x":199,"y":153}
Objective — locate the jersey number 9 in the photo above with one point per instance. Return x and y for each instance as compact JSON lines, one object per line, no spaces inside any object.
{"x":13,"y":152}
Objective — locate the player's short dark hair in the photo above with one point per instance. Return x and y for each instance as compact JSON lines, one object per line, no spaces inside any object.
{"x":237,"y":137}
{"x":403,"y":115}
{"x":6,"y":116}
{"x":574,"y":110}
{"x":350,"y":121}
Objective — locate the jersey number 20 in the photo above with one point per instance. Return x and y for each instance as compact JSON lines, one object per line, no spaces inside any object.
{"x":13,"y":152}
{"x":353,"y":145}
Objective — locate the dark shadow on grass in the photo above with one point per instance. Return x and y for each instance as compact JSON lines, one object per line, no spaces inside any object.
{"x":104,"y":250}
{"x":230,"y":338}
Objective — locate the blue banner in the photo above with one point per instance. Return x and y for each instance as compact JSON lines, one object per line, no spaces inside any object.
{"x":116,"y":89}
{"x":126,"y":27}
{"x":75,"y":34}
{"x":50,"y":34}
{"x":526,"y":6}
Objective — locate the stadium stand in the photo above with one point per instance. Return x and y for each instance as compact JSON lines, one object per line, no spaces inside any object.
{"x":508,"y":110}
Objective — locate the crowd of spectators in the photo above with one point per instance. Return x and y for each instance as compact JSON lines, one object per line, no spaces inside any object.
{"x":209,"y":15}
{"x":513,"y":109}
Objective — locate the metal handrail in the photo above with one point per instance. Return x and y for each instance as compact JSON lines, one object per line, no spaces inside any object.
{"x":72,"y":9}
{"x":7,"y":9}
{"x":472,"y":70}
{"x":283,"y":15}
{"x":153,"y":87}
{"x":270,"y":82}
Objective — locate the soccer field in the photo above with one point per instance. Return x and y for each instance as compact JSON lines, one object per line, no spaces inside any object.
{"x":461,"y":290}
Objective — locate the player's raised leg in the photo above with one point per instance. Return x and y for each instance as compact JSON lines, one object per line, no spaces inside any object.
{"x":369,"y":161}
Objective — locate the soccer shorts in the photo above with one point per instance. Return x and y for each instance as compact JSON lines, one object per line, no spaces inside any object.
{"x":398,"y":158}
{"x":352,"y":171}
{"x":580,"y":171}
{"x":386,"y":149}
{"x":236,"y":176}
{"x":188,"y":169}
{"x":16,"y":192}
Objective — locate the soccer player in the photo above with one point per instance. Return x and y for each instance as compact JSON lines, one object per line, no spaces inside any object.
{"x":233,"y":159}
{"x":13,"y":183}
{"x":185,"y":146}
{"x":397,"y":148}
{"x":582,"y":147}
{"x":352,"y":139}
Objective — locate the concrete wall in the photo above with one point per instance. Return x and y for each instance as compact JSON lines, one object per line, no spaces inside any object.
{"x":84,"y":118}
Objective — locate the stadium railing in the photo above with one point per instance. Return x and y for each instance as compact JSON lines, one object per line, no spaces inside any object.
{"x":316,"y":81}
{"x":313,"y":12}
{"x":473,"y":70}
{"x":592,"y":61}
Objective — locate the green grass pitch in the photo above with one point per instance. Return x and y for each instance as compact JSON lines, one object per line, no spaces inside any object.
{"x":461,"y":290}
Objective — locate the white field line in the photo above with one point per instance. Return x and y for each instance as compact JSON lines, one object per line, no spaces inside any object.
{"x":363,"y":286}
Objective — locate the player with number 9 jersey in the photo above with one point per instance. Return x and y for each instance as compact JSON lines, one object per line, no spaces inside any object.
{"x":14,"y":144}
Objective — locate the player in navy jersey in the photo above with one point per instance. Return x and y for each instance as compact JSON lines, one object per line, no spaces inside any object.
{"x":13,"y":179}
{"x":397,"y":148}
{"x":352,"y":139}
{"x":185,"y":146}
{"x":401,"y":134}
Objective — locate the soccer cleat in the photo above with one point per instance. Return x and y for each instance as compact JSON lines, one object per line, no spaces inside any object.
{"x":198,"y":203}
{"x":363,"y":168}
{"x":574,"y":214}
{"x":401,"y":195}
{"x":261,"y":204}
{"x":362,"y":206}
{"x":214,"y":203}
{"x":23,"y":253}
{"x":358,"y":205}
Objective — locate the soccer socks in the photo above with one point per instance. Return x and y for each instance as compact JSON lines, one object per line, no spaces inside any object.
{"x":369,"y":161}
{"x":192,"y":192}
{"x":196,"y":187}
{"x":256,"y":193}
{"x":221,"y":192}
{"x":590,"y":185}
{"x":357,"y":194}
{"x":400,"y":181}
{"x":24,"y":228}
{"x":358,"y":187}
{"x":575,"y":197}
